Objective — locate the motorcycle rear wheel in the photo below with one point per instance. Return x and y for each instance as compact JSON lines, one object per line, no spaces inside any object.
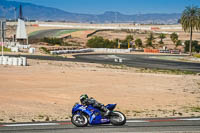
{"x":79,"y":120}
{"x":117,"y":118}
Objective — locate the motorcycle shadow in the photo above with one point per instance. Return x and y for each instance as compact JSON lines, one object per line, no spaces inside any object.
{"x":104,"y":126}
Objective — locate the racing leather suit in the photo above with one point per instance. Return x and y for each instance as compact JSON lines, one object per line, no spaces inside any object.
{"x":95,"y":104}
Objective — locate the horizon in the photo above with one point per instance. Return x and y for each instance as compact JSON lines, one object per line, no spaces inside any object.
{"x":128,"y":7}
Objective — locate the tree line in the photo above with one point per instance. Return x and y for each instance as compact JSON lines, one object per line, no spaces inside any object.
{"x":150,"y":42}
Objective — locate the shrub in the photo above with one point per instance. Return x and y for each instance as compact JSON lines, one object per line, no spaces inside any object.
{"x":45,"y":50}
{"x":195,"y":46}
{"x":178,"y":43}
{"x":197,"y":55}
{"x":5,"y":49}
{"x":174,"y":37}
{"x":150,"y":40}
{"x":138,"y":43}
{"x":53,"y":41}
{"x":100,"y":42}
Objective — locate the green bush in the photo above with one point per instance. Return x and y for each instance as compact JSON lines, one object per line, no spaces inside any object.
{"x":197,"y":55}
{"x":138,"y":43}
{"x":52,"y":41}
{"x":5,"y":49}
{"x":45,"y":50}
{"x":100,"y":42}
{"x":195,"y":46}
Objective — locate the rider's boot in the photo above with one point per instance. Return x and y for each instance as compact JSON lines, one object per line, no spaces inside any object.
{"x":107,"y":111}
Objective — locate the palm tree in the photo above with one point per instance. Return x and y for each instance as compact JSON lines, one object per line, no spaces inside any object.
{"x":190,"y":21}
{"x":138,"y":42}
{"x":150,"y":40}
{"x":174,"y":37}
{"x":161,"y":36}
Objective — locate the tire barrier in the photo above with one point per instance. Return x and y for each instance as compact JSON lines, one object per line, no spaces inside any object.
{"x":108,"y":50}
{"x":165,"y":51}
{"x":151,"y":50}
{"x":162,"y":51}
{"x":70,"y":51}
{"x":13,"y":61}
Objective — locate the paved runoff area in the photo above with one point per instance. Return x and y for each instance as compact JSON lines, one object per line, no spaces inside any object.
{"x":132,"y":125}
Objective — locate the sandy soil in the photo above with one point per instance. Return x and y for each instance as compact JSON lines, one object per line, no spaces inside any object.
{"x":47,"y":91}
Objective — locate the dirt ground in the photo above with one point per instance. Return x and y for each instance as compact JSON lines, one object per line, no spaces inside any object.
{"x":47,"y":91}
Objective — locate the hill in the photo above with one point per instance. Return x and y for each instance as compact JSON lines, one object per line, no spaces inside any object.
{"x":42,"y":13}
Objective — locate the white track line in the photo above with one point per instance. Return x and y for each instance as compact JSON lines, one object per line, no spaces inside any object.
{"x":189,"y":119}
{"x":66,"y":123}
{"x":35,"y":124}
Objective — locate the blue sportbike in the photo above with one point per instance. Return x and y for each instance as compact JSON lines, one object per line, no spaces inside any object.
{"x":84,"y":115}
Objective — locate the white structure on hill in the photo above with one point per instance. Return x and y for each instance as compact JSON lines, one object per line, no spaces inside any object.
{"x":21,"y":30}
{"x":21,"y":35}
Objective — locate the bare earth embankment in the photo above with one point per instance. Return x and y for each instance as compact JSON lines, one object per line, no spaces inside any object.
{"x":47,"y":91}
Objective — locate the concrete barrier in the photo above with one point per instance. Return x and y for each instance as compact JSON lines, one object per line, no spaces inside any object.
{"x":14,"y":49}
{"x":10,"y":61}
{"x":20,"y":62}
{"x":1,"y":60}
{"x":24,"y":61}
{"x":5,"y":60}
{"x":13,"y":61}
{"x":31,"y":50}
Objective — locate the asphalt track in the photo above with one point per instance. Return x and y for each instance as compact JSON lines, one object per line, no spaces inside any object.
{"x":44,"y":33}
{"x":178,"y":125}
{"x":131,"y":60}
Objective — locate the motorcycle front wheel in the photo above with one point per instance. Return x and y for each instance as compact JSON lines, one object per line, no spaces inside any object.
{"x":79,"y":120}
{"x":117,"y":118}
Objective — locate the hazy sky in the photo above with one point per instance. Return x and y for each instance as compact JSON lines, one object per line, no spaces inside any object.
{"x":123,"y":6}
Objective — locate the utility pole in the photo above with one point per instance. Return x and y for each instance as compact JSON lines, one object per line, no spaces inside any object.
{"x":2,"y":36}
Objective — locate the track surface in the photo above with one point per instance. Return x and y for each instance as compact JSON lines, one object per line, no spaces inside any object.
{"x":140,"y":61}
{"x":140,"y":125}
{"x":44,"y":33}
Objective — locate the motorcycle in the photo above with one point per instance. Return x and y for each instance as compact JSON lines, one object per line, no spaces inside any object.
{"x":84,"y":115}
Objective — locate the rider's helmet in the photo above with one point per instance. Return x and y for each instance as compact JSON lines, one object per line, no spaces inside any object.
{"x":83,"y":97}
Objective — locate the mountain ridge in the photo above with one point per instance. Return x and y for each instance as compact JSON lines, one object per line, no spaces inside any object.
{"x":42,"y":13}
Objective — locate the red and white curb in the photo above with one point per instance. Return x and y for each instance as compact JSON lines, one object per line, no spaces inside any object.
{"x":128,"y":121}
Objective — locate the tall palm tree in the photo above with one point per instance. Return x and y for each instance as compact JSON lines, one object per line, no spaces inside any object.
{"x":150,"y":40}
{"x":190,"y":21}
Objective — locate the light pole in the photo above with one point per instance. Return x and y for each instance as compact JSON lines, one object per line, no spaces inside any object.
{"x":2,"y":38}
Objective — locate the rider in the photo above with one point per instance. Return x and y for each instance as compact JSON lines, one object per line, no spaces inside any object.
{"x":85,"y":100}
